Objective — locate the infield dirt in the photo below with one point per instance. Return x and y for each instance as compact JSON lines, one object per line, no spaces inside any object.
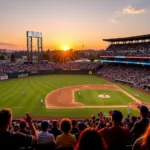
{"x":65,"y":98}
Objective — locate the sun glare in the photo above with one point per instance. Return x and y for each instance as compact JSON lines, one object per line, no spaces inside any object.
{"x":65,"y":48}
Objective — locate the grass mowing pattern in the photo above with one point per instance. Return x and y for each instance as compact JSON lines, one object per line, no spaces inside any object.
{"x":90,"y":97}
{"x":38,"y":87}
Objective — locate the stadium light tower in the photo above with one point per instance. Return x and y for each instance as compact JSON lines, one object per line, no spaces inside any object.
{"x":30,"y":35}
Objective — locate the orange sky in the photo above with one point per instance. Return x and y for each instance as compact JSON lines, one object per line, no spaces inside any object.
{"x":70,"y":23}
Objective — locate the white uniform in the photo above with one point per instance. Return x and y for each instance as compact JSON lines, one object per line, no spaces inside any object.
{"x":104,"y":94}
{"x":22,"y":92}
{"x":41,"y":101}
{"x":79,"y":93}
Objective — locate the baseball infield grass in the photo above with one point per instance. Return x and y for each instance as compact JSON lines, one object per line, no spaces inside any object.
{"x":90,"y":97}
{"x":38,"y":87}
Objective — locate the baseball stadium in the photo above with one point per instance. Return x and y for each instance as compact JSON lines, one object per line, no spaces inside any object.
{"x":74,"y":75}
{"x":78,"y":89}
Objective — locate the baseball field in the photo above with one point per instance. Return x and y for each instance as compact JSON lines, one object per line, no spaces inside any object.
{"x":80,"y":96}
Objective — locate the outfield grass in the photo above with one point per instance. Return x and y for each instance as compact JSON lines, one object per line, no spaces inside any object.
{"x":38,"y":87}
{"x":90,"y":97}
{"x":142,"y":96}
{"x":72,"y":113}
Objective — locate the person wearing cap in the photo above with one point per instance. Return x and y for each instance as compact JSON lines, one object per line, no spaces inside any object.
{"x":140,"y":126}
{"x":44,"y":137}
{"x":115,"y":137}
{"x":11,"y":140}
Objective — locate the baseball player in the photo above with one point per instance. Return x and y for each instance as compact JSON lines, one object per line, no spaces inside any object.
{"x":59,"y":91}
{"x":41,"y":101}
{"x":79,"y":93}
{"x":22,"y":92}
{"x":128,"y":110}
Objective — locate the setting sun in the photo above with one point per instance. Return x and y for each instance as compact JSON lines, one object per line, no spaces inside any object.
{"x":65,"y":48}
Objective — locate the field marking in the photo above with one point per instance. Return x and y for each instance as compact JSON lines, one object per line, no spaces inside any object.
{"x":84,"y":85}
{"x":66,"y":99}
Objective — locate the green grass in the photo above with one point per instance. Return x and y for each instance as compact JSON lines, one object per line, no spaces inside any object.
{"x":38,"y":87}
{"x":90,"y":97}
{"x":142,"y":96}
{"x":71,"y":113}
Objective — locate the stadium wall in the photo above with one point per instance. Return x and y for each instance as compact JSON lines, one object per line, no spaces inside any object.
{"x":45,"y":72}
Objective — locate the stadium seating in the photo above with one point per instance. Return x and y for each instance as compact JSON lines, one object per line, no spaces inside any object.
{"x":139,"y":75}
{"x":16,"y":68}
{"x":129,"y":49}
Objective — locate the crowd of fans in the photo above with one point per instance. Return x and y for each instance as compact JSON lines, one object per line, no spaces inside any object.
{"x":80,"y":65}
{"x":15,"y":68}
{"x":97,"y":133}
{"x":138,"y":75}
{"x":130,"y":49}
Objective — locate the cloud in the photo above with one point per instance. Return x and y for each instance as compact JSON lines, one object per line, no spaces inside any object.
{"x":132,"y":10}
{"x":126,"y":11}
{"x":6,"y":44}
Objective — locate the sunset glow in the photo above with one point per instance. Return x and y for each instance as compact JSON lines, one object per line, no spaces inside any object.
{"x":72,"y":22}
{"x":65,"y":48}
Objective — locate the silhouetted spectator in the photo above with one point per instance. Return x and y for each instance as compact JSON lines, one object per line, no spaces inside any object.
{"x":133,"y":120}
{"x":81,"y":127}
{"x":116,"y":136}
{"x":66,"y":139}
{"x":143,"y":143}
{"x":14,"y":140}
{"x":44,"y":137}
{"x":74,"y":127}
{"x":55,"y":131}
{"x":140,"y":126}
{"x":23,"y":126}
{"x":90,"y":140}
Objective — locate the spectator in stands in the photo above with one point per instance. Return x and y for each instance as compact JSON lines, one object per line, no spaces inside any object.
{"x":44,"y":137}
{"x":55,"y":131}
{"x":102,"y":121}
{"x":81,"y":127}
{"x":116,"y":136}
{"x":90,"y":140}
{"x":16,"y":128}
{"x":74,"y":127}
{"x":126,"y":122}
{"x":15,"y":140}
{"x":23,"y":126}
{"x":66,"y":139}
{"x":143,"y":143}
{"x":139,"y":127}
{"x":133,"y":120}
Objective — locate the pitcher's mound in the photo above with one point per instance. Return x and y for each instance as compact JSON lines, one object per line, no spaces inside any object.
{"x":104,"y":96}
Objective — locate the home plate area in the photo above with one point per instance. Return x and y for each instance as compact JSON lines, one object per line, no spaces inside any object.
{"x":103,"y":96}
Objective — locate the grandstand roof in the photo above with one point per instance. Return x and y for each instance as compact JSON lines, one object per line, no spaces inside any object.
{"x":132,"y":38}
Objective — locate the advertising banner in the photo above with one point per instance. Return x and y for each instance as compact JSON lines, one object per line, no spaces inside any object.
{"x":4,"y":77}
{"x":22,"y":75}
